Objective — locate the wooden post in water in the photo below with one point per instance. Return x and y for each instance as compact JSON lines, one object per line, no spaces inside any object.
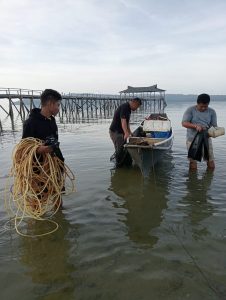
{"x":96,"y":108}
{"x":82,"y":108}
{"x":91,"y":104}
{"x":77,"y":110}
{"x":22,"y":111}
{"x":100,"y":108}
{"x":4,"y":110}
{"x":86,"y":107}
{"x":74,"y":110}
{"x":32,"y":101}
{"x":10,"y":108}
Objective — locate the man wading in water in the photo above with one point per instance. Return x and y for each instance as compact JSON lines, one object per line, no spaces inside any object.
{"x":41,"y":124}
{"x":120,"y":128}
{"x":196,"y":119}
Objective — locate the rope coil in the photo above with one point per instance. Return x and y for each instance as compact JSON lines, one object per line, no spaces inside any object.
{"x":39,"y":182}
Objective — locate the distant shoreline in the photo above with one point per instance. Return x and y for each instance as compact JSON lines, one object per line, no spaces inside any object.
{"x":176,"y":97}
{"x":192,"y":97}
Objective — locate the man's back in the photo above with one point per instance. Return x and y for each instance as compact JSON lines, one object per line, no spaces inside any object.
{"x":122,"y":112}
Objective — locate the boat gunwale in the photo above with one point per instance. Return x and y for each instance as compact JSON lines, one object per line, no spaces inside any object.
{"x":154,"y":145}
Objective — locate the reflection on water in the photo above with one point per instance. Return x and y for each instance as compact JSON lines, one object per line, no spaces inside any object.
{"x":160,"y":238}
{"x":198,"y":186}
{"x":47,"y":260}
{"x":9,"y":123}
{"x":198,"y":201}
{"x":143,"y":200}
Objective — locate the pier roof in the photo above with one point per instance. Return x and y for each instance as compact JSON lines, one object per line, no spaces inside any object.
{"x":152,"y":88}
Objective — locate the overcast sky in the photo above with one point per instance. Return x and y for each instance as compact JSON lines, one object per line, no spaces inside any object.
{"x":103,"y":46}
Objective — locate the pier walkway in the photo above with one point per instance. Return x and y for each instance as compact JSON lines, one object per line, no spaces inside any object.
{"x":75,"y":106}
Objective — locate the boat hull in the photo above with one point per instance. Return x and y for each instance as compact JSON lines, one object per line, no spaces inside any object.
{"x":146,"y":157}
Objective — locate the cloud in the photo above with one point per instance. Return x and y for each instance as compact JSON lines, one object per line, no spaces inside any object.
{"x":123,"y":41}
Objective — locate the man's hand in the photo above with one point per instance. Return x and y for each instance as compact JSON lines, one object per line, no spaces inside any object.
{"x":44,"y":149}
{"x":125,"y":128}
{"x":126,"y":135}
{"x":199,"y":128}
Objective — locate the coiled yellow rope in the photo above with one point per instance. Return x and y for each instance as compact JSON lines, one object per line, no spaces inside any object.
{"x":38,"y":184}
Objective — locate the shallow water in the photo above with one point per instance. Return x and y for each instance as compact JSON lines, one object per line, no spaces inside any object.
{"x":120,"y":236}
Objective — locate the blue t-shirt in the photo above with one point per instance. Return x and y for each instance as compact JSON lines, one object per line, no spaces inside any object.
{"x":206,"y":119}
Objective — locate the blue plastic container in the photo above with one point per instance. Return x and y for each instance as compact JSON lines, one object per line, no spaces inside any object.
{"x":160,"y":134}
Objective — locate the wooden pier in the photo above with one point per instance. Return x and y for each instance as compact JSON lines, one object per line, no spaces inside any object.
{"x":76,"y":107}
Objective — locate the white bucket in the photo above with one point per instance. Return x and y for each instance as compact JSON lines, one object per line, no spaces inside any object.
{"x":216,"y":131}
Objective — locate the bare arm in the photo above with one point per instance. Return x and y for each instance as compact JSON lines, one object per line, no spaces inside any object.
{"x":193,"y":126}
{"x":126,"y":129}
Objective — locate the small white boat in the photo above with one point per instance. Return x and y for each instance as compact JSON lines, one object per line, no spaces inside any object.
{"x":156,"y":138}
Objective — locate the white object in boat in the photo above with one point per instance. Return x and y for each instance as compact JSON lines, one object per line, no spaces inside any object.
{"x":156,"y":125}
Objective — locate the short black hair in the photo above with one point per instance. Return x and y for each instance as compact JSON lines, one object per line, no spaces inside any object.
{"x":50,"y":95}
{"x":203,"y":98}
{"x":136,"y":99}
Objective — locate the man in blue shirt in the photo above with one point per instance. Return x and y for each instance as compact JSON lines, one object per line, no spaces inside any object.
{"x":197,"y":118}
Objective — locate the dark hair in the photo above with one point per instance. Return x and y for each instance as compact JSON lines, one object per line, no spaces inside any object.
{"x":50,"y":95}
{"x":203,"y":98}
{"x":136,"y":99}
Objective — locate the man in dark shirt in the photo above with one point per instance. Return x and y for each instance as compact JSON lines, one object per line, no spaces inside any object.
{"x":120,"y":127}
{"x":41,"y":123}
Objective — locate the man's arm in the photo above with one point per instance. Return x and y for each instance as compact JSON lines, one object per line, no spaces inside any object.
{"x":193,"y":126}
{"x":125,"y":128}
{"x":186,"y":121}
{"x":125,"y":115}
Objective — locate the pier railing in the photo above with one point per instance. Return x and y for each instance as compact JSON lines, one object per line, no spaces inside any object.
{"x":74,"y":106}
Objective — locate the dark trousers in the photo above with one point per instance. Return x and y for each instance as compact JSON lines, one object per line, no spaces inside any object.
{"x":122,"y":156}
{"x":117,"y":139}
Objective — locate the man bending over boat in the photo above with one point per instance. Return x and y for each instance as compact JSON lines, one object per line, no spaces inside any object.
{"x":120,"y":126}
{"x":196,"y":119}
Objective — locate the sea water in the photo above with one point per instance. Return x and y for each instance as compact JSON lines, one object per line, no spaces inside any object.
{"x":122,"y":237}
